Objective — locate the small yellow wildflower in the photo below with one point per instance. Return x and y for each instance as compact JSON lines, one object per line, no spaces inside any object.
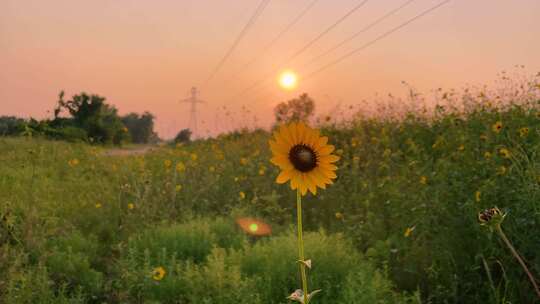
{"x":504,"y":152}
{"x":178,"y":188}
{"x":73,"y":163}
{"x":262,"y":171}
{"x":194,"y":156}
{"x":243,"y":161}
{"x":497,"y":127}
{"x":461,"y":148}
{"x":98,"y":205}
{"x":408,"y":231}
{"x":423,"y":180}
{"x":501,"y":170}
{"x":130,"y":206}
{"x":339,"y":215}
{"x":523,"y":132}
{"x":158,"y":273}
{"x":487,"y":155}
{"x":242,"y":195}
{"x":477,"y":196}
{"x":180,"y":167}
{"x":167,"y":163}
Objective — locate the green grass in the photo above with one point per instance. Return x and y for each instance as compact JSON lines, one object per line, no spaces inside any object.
{"x":68,"y":234}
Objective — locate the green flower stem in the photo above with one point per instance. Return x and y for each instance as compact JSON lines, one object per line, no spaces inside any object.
{"x":520,"y":260}
{"x":301,"y":245}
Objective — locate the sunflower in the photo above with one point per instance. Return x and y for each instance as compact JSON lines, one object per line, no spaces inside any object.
{"x":304,"y":157}
{"x":504,"y":152}
{"x":523,"y":131}
{"x":158,"y":273}
{"x":497,"y":127}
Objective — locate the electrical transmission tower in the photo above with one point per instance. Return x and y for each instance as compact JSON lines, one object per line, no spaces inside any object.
{"x":193,"y":100}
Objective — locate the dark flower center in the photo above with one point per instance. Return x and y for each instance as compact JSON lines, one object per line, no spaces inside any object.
{"x":303,"y":158}
{"x":488,"y":214}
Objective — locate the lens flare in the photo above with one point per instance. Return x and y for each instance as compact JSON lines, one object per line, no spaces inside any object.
{"x":254,"y":226}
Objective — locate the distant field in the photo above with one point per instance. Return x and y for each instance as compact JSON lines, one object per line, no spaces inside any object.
{"x":83,"y":225}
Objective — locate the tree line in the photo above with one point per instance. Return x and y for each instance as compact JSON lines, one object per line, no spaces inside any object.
{"x":88,"y":118}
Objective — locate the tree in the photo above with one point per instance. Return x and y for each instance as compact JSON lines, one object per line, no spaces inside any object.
{"x":183,"y":136}
{"x":91,"y":113}
{"x":298,"y":109}
{"x":11,"y":125}
{"x":140,"y":127}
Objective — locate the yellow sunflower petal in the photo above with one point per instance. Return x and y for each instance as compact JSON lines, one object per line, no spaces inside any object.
{"x":328,"y":173}
{"x":311,"y":184}
{"x":285,"y":135}
{"x":293,"y":133}
{"x":320,"y":178}
{"x":328,"y":167}
{"x":281,"y":161}
{"x":295,"y":180}
{"x":326,"y":150}
{"x":283,"y":177}
{"x":277,"y":148}
{"x":281,"y":137}
{"x":301,"y":132}
{"x":303,"y":184}
{"x":329,"y":158}
{"x":321,"y":142}
{"x":311,"y":138}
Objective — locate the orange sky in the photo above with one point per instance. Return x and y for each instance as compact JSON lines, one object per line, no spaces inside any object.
{"x":146,"y":55}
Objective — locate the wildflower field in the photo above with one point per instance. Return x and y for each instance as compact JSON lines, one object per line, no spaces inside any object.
{"x":399,"y":223}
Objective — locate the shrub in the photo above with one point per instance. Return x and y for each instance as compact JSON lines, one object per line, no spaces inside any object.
{"x":264,"y":272}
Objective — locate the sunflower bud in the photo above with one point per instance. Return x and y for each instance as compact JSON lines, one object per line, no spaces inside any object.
{"x":491,"y":216}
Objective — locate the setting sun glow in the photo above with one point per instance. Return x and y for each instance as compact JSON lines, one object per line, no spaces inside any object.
{"x":288,"y":80}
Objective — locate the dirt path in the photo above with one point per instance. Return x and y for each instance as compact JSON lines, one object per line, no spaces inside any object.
{"x":130,"y":151}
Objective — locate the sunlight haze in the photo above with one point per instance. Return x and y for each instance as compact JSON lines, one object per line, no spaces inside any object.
{"x":146,"y":55}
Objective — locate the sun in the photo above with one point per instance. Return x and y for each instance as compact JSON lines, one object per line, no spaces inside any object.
{"x":288,"y":80}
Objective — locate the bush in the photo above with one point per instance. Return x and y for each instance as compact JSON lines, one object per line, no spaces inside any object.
{"x":71,"y":264}
{"x":265,"y":272}
{"x":193,"y":240}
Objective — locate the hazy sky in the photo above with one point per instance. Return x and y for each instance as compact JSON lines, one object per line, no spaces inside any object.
{"x":146,"y":55}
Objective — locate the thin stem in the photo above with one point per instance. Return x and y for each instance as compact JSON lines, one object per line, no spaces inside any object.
{"x":301,"y":246}
{"x":516,"y":255}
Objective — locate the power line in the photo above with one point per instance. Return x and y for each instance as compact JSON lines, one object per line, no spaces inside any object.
{"x":258,"y":11}
{"x":327,"y":30}
{"x":281,"y":34}
{"x":385,"y":34}
{"x":380,"y":37}
{"x":305,"y":47}
{"x":367,"y":27}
